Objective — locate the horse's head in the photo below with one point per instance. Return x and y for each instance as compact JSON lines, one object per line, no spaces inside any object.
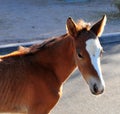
{"x":88,"y":51}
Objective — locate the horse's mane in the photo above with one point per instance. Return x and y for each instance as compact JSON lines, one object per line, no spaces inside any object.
{"x":32,"y":49}
{"x":37,"y":47}
{"x":45,"y":44}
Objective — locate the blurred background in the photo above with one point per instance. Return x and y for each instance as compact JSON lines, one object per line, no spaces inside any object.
{"x":30,"y":20}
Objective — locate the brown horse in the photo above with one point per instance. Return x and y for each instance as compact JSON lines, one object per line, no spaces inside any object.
{"x":31,"y":78}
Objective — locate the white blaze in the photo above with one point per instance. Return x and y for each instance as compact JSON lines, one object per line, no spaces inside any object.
{"x":94,"y":48}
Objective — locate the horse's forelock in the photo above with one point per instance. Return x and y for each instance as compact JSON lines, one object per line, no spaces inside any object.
{"x":81,"y":24}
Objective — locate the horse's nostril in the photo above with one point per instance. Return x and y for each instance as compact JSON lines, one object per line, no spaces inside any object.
{"x":95,"y":88}
{"x":102,"y":91}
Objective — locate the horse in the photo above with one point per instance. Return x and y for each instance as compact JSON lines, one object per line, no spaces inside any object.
{"x":31,"y":78}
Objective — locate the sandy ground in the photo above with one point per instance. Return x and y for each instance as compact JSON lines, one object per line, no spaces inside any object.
{"x":30,"y":20}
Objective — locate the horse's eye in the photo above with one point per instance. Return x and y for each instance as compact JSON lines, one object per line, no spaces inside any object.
{"x":79,"y":55}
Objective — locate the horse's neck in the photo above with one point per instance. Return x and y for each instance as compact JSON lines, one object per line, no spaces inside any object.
{"x":65,"y":62}
{"x":59,"y":58}
{"x":63,"y":58}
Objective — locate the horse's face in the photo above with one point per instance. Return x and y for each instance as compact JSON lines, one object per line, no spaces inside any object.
{"x":88,"y":53}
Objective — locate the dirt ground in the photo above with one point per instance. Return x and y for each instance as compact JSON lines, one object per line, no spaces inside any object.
{"x":30,"y":20}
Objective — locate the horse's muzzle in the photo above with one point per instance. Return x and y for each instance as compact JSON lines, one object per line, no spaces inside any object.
{"x":96,"y":90}
{"x":96,"y":86}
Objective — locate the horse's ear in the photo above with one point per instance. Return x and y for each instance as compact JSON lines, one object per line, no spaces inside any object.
{"x":98,"y":27}
{"x":71,"y":27}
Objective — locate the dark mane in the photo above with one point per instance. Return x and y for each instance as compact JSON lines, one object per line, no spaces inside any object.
{"x":45,"y":44}
{"x":32,"y":49}
{"x":37,"y":47}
